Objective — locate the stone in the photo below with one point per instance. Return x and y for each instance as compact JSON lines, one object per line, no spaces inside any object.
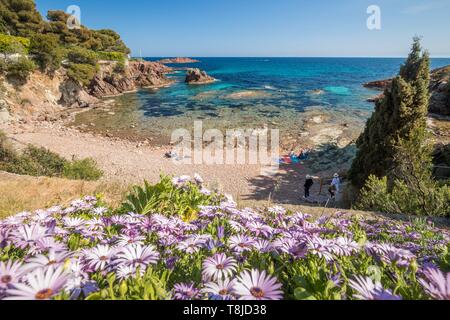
{"x":197,"y":76}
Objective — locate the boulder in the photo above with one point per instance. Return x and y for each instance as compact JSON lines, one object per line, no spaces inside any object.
{"x":197,"y":76}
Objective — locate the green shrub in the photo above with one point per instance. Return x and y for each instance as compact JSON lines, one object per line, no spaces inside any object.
{"x":165,"y":198}
{"x":37,"y":162}
{"x":49,"y":163}
{"x":21,"y":68}
{"x":85,"y":169}
{"x":111,"y":56}
{"x":46,"y":51}
{"x":33,"y":162}
{"x":79,"y":55}
{"x":10,"y":44}
{"x":431,"y":200}
{"x":82,"y":73}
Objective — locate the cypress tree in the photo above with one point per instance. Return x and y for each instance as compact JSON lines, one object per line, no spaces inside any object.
{"x":399,"y":121}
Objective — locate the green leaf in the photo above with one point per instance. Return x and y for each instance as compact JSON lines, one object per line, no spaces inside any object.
{"x":303,"y":294}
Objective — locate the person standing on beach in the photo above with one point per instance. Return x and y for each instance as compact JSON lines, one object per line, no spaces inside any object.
{"x":308,"y":185}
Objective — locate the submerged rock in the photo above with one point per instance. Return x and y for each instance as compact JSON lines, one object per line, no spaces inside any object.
{"x":197,"y":76}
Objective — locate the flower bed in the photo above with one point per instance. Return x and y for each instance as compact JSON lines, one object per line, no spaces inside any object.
{"x":87,"y":251}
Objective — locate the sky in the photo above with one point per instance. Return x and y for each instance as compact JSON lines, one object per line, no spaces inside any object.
{"x":267,"y":28}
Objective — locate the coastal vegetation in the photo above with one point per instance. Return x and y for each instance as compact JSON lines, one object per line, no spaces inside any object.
{"x":94,"y":252}
{"x":49,"y":42}
{"x":34,"y":161}
{"x":394,"y":165}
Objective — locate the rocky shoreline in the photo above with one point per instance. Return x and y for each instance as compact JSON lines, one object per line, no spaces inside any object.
{"x":439,"y":88}
{"x":44,"y":96}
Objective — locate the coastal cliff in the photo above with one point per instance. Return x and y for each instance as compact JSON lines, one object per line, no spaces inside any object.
{"x":138,"y":74}
{"x":43,"y":96}
{"x":439,"y":89}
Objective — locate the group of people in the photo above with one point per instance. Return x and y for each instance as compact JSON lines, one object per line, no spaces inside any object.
{"x":333,"y":188}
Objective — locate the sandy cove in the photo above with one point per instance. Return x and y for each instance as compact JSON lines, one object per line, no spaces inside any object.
{"x":128,"y":162}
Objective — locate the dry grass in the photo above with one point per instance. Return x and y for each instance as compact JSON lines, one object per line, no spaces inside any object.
{"x":22,"y":193}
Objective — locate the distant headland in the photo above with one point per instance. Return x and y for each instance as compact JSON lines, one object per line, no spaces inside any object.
{"x":178,"y":60}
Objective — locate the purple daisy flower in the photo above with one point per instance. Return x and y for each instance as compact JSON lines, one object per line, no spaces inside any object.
{"x":137,"y":256}
{"x":368,"y":290}
{"x":220,"y":290}
{"x":26,"y":236}
{"x":42,"y":284}
{"x":53,"y":258}
{"x":10,"y":274}
{"x":219,"y":267}
{"x":436,"y":284}
{"x":259,"y":228}
{"x":241,"y":243}
{"x":191,"y":245}
{"x":183,"y":291}
{"x":125,"y":240}
{"x":257,"y":285}
{"x":100,"y":257}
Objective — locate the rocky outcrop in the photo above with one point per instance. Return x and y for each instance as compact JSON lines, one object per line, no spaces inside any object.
{"x":110,"y":82}
{"x":197,"y":76}
{"x":379,"y":84}
{"x":439,"y":89}
{"x":73,"y":95}
{"x":178,"y":61}
{"x":43,"y":96}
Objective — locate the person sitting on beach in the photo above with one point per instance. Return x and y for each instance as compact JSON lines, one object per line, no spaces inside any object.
{"x":308,"y":185}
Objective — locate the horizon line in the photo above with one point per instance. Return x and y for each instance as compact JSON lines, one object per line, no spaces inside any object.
{"x":290,"y":57}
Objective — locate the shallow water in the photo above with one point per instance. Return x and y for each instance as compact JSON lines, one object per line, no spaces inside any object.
{"x":251,"y":93}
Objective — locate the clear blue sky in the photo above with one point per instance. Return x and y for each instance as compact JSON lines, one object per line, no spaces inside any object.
{"x":267,"y":27}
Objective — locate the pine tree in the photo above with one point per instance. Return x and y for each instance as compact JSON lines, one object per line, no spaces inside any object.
{"x":400,"y":116}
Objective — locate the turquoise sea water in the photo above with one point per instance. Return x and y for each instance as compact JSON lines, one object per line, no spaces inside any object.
{"x":285,"y":93}
{"x":290,"y":81}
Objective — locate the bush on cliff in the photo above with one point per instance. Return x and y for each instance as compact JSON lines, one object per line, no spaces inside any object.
{"x":11,"y":44}
{"x":79,"y":55}
{"x":20,"y":69}
{"x":111,"y":56}
{"x":82,"y":73}
{"x":46,"y":51}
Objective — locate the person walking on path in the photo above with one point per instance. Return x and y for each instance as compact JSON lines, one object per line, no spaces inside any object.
{"x":335,"y":186}
{"x":308,"y":185}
